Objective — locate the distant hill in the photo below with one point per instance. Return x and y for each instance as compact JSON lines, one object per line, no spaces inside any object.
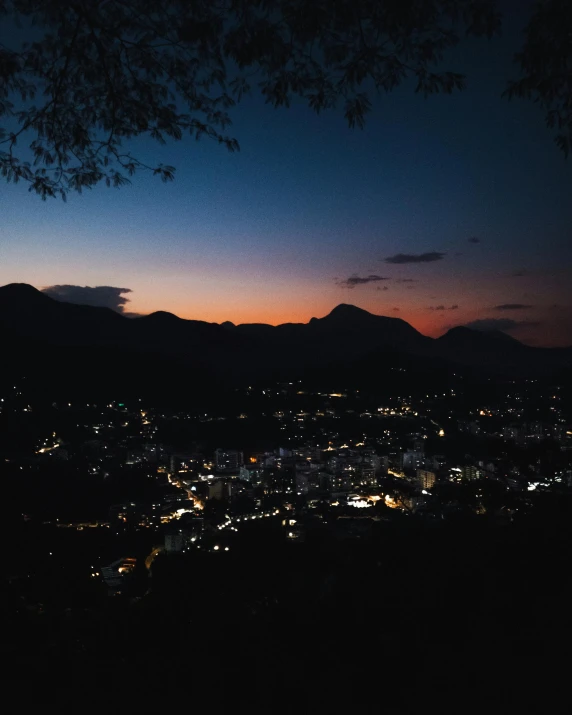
{"x":162,"y":348}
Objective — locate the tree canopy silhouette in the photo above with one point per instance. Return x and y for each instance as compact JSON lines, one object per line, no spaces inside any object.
{"x":80,"y":78}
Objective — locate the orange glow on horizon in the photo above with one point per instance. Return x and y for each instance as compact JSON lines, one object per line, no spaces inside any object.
{"x":275,"y":312}
{"x":296,"y":299}
{"x":426,"y":324}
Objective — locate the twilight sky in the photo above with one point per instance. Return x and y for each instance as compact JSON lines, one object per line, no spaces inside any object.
{"x":305,"y":216}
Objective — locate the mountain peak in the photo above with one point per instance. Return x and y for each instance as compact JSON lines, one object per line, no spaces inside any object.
{"x":161,"y":316}
{"x":347,"y":333}
{"x":23,"y":296}
{"x":465,"y":333}
{"x":347,"y":310}
{"x":345,"y":314}
{"x":19,"y":289}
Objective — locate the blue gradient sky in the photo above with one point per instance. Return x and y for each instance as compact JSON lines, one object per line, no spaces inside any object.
{"x":268,"y":234}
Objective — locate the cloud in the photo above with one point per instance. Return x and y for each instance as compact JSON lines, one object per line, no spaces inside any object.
{"x":512,"y":306}
{"x":519,"y":274}
{"x":384,"y":288}
{"x":504,"y":324}
{"x":429,"y":257}
{"x":407,"y":280}
{"x":442,"y":307}
{"x":355,"y":280}
{"x":396,"y":310}
{"x":101,"y":296}
{"x":474,"y":239}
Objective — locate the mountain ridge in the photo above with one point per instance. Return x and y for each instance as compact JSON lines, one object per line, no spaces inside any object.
{"x":346,"y":333}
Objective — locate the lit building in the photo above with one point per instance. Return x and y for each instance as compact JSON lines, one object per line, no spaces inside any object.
{"x":228,"y":460}
{"x":302,"y":483}
{"x":334,"y":483}
{"x":367,"y":475}
{"x":470,"y":472}
{"x":425,"y":478}
{"x":251,"y":473}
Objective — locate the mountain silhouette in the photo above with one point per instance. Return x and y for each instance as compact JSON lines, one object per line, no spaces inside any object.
{"x":462,"y":335}
{"x":193,"y":347}
{"x":372,"y":329}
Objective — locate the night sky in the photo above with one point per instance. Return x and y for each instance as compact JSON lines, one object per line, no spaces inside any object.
{"x":305,"y":216}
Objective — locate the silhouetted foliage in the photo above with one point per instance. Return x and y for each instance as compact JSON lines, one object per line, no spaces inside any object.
{"x":546,"y":64}
{"x":93,"y":75}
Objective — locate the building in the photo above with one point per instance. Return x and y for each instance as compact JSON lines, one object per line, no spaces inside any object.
{"x":425,"y":479}
{"x":367,"y":475}
{"x":219,"y":489}
{"x":174,"y":543}
{"x":371,"y":459}
{"x":438,"y":461}
{"x":513,"y":431}
{"x":251,"y":474}
{"x":114,"y":576}
{"x":534,"y":431}
{"x":470,"y":472}
{"x":228,"y":460}
{"x":302,"y":483}
{"x":412,"y":459}
{"x":335,"y":483}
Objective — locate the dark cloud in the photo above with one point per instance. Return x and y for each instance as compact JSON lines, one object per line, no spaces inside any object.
{"x":519,"y":274}
{"x":396,"y":310}
{"x":512,"y":306}
{"x":100,"y":296}
{"x":505,"y":324}
{"x":442,"y":307}
{"x":354,"y":280}
{"x":429,"y":257}
{"x":384,"y":288}
{"x":407,"y":280}
{"x":474,"y":239}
